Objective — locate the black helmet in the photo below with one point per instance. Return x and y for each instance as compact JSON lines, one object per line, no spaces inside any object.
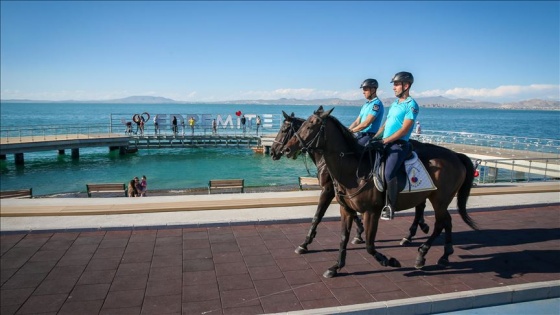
{"x":370,"y":83}
{"x":403,"y":77}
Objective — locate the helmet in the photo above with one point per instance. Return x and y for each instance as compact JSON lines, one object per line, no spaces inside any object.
{"x":403,"y":77}
{"x":370,"y":83}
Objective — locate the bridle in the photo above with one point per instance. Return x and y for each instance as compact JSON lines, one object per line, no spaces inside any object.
{"x":288,"y":134}
{"x":307,"y":147}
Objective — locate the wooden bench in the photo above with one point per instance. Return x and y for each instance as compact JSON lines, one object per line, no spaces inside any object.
{"x":226,"y":184}
{"x":309,"y":183}
{"x":20,"y":193}
{"x":106,"y":187}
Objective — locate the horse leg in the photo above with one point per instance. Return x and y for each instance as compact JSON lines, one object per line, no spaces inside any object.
{"x":424,"y":248}
{"x":346,"y":218}
{"x":448,"y":247}
{"x":359,"y":230}
{"x":372,"y":222}
{"x":418,"y":221}
{"x":325,"y":199}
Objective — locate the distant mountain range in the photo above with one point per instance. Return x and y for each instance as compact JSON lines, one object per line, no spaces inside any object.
{"x":435,"y":102}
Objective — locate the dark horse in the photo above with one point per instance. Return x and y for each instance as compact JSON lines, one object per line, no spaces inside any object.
{"x":289,"y":127}
{"x":287,"y":130}
{"x":452,"y":173}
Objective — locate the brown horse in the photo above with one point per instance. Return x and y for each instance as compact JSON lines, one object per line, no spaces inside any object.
{"x":289,"y":127}
{"x":452,"y":174}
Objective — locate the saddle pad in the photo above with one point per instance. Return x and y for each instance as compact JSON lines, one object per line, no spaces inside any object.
{"x":418,"y":177}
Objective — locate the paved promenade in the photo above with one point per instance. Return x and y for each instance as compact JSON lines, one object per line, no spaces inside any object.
{"x":241,"y":260}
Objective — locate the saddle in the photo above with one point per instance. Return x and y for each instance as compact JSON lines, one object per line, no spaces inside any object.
{"x":412,"y":176}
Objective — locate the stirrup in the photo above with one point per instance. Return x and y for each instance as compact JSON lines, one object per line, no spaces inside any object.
{"x":387,"y":213}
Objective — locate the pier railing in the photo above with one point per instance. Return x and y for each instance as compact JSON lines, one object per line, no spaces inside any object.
{"x":65,"y":132}
{"x":56,"y":132}
{"x":518,"y":170}
{"x":500,"y":145}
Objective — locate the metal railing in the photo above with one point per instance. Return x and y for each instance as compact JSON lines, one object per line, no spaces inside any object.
{"x":57,"y":132}
{"x":519,"y":170}
{"x":64,"y":132}
{"x":499,"y":143}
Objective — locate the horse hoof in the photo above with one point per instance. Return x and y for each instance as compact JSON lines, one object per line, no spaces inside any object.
{"x":357,"y":240}
{"x":394,"y":263}
{"x":443,"y":262}
{"x":330,"y":274}
{"x":301,"y":250}
{"x":425,"y":228}
{"x":420,"y":263}
{"x":404,"y":241}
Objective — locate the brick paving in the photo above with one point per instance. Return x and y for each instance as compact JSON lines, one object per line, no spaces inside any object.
{"x":252,"y":269}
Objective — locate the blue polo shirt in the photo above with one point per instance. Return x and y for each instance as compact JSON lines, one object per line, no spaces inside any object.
{"x":398,"y":112}
{"x":375,"y":108}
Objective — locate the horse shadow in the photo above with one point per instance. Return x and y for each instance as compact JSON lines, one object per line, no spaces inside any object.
{"x":518,"y":252}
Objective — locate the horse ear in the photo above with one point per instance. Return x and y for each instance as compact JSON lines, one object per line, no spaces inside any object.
{"x":319,"y":110}
{"x":286,"y":115}
{"x":293,"y":115}
{"x":326,"y":114}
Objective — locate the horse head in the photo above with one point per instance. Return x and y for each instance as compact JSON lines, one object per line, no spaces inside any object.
{"x":289,"y":127}
{"x":307,"y":137}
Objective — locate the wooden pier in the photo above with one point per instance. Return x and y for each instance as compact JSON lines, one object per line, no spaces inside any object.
{"x":124,"y":143}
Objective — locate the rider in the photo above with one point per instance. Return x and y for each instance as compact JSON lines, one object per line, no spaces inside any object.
{"x":371,"y":114}
{"x":396,"y":131}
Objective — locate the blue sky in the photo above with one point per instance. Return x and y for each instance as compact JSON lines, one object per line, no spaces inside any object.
{"x":213,"y":51}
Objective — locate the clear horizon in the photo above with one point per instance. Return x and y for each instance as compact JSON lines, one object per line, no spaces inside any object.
{"x":492,"y":51}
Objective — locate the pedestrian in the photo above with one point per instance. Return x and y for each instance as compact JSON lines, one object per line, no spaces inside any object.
{"x":214,"y":127}
{"x":183,"y":127}
{"x":156,"y":125}
{"x":144,"y":186}
{"x":396,"y":132}
{"x":369,"y":120}
{"x":128,"y":130}
{"x":418,"y":128}
{"x":174,"y":123}
{"x":191,"y":123}
{"x":141,"y":125}
{"x":258,"y":121}
{"x":243,"y":126}
{"x":138,"y":186}
{"x":132,"y":191}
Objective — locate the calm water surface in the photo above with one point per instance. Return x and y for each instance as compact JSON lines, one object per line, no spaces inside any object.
{"x":49,"y":173}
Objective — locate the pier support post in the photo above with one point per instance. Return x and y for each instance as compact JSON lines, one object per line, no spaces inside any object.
{"x":76,"y":153}
{"x":122,"y":150}
{"x":61,"y":152}
{"x":18,"y":157}
{"x":2,"y":157}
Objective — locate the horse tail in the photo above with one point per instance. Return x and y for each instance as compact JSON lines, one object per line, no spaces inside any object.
{"x":465,"y":190}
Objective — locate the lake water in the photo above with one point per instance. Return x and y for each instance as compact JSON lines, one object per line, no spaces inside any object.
{"x":181,"y":168}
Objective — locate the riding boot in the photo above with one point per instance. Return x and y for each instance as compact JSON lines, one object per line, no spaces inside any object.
{"x":388,"y":212}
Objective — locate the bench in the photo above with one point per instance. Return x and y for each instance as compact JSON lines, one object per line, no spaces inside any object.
{"x":20,"y":193}
{"x":106,"y":187}
{"x":226,"y":184}
{"x":309,"y":183}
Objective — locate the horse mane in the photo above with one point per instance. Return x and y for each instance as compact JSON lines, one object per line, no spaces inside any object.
{"x":347,"y":135}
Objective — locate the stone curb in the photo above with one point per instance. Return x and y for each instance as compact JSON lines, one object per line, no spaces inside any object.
{"x":449,"y":302}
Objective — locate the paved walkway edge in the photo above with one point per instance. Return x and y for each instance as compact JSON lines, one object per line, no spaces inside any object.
{"x":449,"y":302}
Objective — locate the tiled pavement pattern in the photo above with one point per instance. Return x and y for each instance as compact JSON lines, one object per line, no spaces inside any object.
{"x":252,"y":269}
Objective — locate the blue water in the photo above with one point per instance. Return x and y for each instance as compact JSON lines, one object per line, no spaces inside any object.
{"x":49,"y":173}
